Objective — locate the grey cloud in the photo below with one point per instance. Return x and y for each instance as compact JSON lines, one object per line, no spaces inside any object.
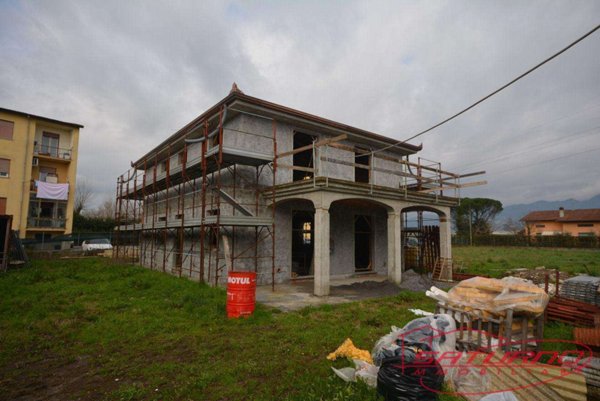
{"x":134,"y":72}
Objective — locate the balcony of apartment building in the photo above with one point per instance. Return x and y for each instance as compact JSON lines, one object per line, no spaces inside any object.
{"x":49,"y":148}
{"x":48,"y":200}
{"x":46,"y":214}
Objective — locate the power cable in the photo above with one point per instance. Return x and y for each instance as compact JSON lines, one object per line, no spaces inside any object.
{"x":530,"y":148}
{"x":543,"y":161}
{"x":491,"y":94}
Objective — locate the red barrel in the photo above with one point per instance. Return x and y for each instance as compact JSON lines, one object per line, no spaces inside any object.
{"x":241,"y":293}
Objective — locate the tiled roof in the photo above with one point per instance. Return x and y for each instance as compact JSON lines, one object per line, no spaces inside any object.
{"x":570,"y":215}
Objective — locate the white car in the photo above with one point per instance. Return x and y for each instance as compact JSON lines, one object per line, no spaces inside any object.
{"x":100,"y":244}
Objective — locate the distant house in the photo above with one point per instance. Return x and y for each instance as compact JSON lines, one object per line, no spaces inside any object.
{"x":578,"y":223}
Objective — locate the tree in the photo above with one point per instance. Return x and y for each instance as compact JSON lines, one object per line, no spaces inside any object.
{"x":475,"y":216}
{"x":105,"y":211}
{"x":513,"y":226}
{"x":83,"y":196}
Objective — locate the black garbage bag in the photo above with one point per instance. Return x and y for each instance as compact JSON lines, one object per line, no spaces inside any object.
{"x":405,"y":378}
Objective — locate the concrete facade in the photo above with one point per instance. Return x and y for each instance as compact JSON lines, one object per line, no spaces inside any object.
{"x":330,"y":195}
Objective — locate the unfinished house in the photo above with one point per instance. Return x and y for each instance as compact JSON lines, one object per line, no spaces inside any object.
{"x":250,"y":185}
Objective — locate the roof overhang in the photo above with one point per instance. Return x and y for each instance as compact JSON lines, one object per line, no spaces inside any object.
{"x":240,"y":102}
{"x":50,"y":120}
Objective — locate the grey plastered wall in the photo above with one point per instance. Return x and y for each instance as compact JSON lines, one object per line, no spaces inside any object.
{"x":384,"y":178}
{"x":336,"y":170}
{"x":341,"y":228}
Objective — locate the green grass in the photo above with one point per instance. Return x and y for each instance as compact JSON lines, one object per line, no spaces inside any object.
{"x":494,"y":261}
{"x":89,"y":329}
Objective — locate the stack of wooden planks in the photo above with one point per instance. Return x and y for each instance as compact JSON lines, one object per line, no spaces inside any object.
{"x":494,"y":296}
{"x":530,"y":381}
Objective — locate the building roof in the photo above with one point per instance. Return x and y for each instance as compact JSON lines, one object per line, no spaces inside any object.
{"x":569,"y":216}
{"x":51,"y":120}
{"x":237,"y":95}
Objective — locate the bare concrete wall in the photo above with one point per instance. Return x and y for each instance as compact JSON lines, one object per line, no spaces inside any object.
{"x":342,"y":237}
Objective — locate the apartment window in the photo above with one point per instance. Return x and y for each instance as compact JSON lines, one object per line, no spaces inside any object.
{"x":585,"y":225}
{"x":4,"y":168}
{"x":540,"y":225}
{"x":2,"y":206}
{"x":6,"y":129}
{"x":48,"y":174}
{"x":50,"y":144}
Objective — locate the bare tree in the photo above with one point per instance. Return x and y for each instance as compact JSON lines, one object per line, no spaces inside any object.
{"x":105,"y":211}
{"x":83,"y":196}
{"x":514,"y":226}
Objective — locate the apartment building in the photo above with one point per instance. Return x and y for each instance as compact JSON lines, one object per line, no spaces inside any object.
{"x":38,"y":166}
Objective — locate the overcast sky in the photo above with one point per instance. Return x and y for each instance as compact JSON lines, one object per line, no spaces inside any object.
{"x":134,"y":72}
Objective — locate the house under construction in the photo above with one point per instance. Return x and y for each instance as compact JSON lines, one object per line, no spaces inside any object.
{"x":250,"y":185}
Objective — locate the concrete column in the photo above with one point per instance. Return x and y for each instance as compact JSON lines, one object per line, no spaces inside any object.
{"x":445,"y":237}
{"x":394,"y":246}
{"x":321,"y":252}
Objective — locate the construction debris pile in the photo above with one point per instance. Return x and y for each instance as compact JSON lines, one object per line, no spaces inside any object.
{"x":485,"y":297}
{"x":542,"y":277}
{"x":394,"y":366}
{"x":582,"y":288}
{"x":412,"y":364}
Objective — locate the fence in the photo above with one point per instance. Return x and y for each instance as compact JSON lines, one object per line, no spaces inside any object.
{"x":58,"y":242}
{"x":545,"y":241}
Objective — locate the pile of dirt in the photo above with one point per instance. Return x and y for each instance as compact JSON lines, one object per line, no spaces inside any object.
{"x":414,"y":281}
{"x":366,"y":289}
{"x":411,"y":281}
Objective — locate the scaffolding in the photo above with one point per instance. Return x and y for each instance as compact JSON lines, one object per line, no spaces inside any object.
{"x":199,"y":206}
{"x":199,"y":216}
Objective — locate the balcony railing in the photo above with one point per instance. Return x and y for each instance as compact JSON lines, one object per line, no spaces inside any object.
{"x":53,"y":151}
{"x":45,"y":222}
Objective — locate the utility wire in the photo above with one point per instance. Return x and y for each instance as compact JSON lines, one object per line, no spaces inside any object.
{"x":537,"y":127}
{"x":491,"y":94}
{"x":543,"y":161}
{"x":545,"y":145}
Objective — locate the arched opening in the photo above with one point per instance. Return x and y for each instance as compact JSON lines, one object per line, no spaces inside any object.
{"x":358,"y":241}
{"x":420,"y":238}
{"x":299,"y":217}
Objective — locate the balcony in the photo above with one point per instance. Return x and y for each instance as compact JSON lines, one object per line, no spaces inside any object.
{"x":52,"y":152}
{"x":46,"y":222}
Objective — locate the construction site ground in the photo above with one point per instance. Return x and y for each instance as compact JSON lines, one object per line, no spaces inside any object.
{"x":90,"y":329}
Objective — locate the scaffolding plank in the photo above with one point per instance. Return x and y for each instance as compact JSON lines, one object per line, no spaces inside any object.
{"x":233,"y":202}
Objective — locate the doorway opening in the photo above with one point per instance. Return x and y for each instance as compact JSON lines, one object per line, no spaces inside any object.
{"x":302,"y":243}
{"x":363,"y":242}
{"x":362,"y":161}
{"x":420,"y":240}
{"x":303,"y":159}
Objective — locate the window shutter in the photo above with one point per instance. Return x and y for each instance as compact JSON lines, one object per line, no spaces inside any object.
{"x":5,"y":166}
{"x":6,"y":129}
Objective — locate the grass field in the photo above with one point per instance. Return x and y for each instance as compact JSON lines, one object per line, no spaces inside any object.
{"x":89,"y":329}
{"x":494,"y":261}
